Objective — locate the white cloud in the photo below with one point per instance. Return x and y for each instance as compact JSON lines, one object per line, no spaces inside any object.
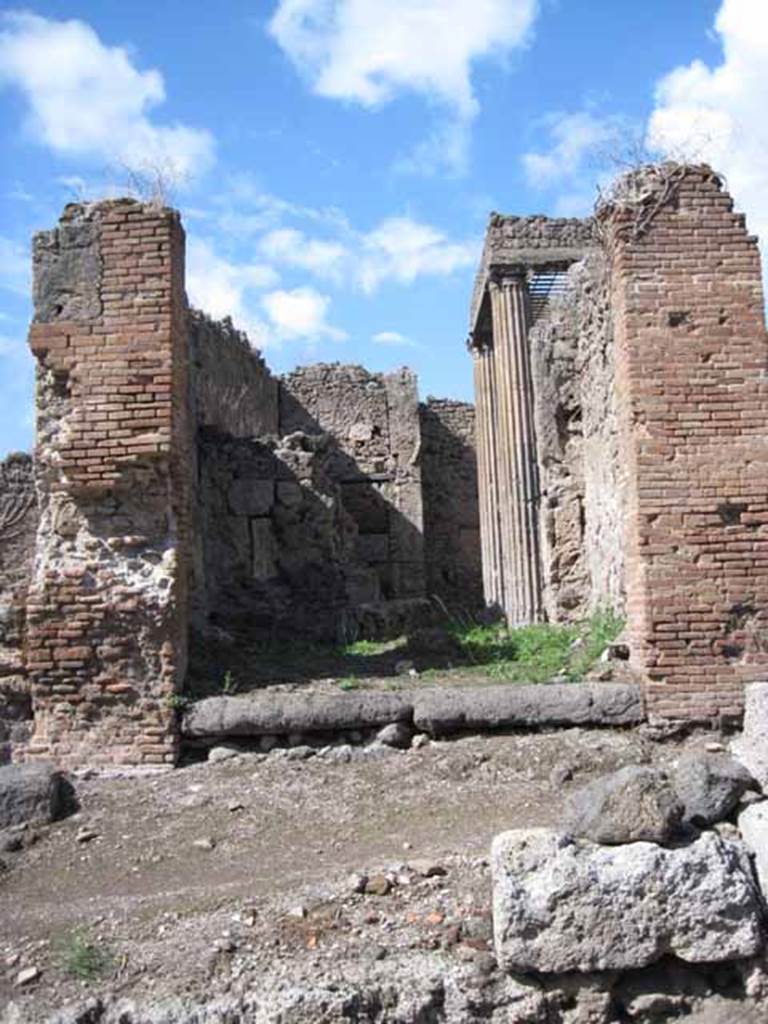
{"x":393,"y":338}
{"x":241,"y":291}
{"x":401,"y":249}
{"x":300,"y":313}
{"x":222,"y":288}
{"x":292,"y":248}
{"x":86,"y":99}
{"x":369,"y":52}
{"x":718,"y":113}
{"x":576,"y":139}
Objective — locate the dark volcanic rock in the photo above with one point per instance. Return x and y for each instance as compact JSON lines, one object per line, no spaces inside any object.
{"x":630,"y":805}
{"x":709,"y":786}
{"x":35,"y":793}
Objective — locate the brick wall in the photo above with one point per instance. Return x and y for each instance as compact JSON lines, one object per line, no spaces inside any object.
{"x":107,"y":627}
{"x":693,"y":398}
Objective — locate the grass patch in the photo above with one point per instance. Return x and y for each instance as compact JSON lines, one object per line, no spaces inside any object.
{"x":367,"y":648}
{"x":536,"y":654}
{"x":350,"y":683}
{"x":85,"y":958}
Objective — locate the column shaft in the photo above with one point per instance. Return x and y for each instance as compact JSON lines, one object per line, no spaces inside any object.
{"x":516,"y":452}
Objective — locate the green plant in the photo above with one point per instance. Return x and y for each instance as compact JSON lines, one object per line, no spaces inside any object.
{"x":536,"y":654}
{"x":178,"y":701}
{"x":602,"y":628}
{"x":83,"y":957}
{"x":229,"y":686}
{"x":368,"y":648}
{"x":349,"y":683}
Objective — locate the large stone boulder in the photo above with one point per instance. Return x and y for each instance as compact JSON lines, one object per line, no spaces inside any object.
{"x":753,"y":825}
{"x":34,"y":793}
{"x":709,"y":786}
{"x":751,"y":748}
{"x":561,"y":904}
{"x":630,"y":805}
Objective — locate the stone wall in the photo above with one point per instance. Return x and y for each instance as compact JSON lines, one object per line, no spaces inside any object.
{"x":18,"y":527}
{"x":604,"y":468}
{"x":374,"y":421}
{"x":691,"y":352}
{"x":276,"y":541}
{"x":580,"y":470}
{"x":106,"y":629}
{"x":232,"y":388}
{"x":184,"y":491}
{"x":451,"y":513}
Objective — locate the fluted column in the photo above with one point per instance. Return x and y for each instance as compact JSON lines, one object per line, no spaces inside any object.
{"x":516,"y":462}
{"x":490,"y":535}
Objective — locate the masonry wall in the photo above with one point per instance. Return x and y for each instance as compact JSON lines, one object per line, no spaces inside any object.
{"x":106,"y":610}
{"x":374,"y":421}
{"x":693,"y":398}
{"x":18,"y":527}
{"x":451,"y":510}
{"x":528,"y":241}
{"x":580,"y":468}
{"x":277,"y":543}
{"x":232,"y":388}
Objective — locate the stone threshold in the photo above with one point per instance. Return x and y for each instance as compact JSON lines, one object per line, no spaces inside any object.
{"x":432,"y":710}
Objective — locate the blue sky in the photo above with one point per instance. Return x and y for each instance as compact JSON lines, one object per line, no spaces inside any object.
{"x":336,"y":160}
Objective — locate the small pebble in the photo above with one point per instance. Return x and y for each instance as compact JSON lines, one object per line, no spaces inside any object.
{"x":206,"y":843}
{"x":378,"y":885}
{"x":27,"y":976}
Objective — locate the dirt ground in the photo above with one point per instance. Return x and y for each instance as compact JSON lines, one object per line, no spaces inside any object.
{"x":216,"y":869}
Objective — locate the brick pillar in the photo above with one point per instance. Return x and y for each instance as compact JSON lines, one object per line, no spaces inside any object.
{"x":693,"y":403}
{"x":107,"y":605}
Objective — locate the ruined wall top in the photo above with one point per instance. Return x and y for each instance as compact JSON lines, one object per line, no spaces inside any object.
{"x":232,"y":387}
{"x":531,"y":242}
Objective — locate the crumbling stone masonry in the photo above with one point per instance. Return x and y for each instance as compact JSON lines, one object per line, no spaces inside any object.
{"x":18,"y":526}
{"x":451,"y":504}
{"x":106,"y":629}
{"x":622,"y":405}
{"x":181,"y":492}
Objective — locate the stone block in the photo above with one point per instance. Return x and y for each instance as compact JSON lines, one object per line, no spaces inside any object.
{"x":372,"y":548}
{"x":264,"y":548}
{"x":248,"y":497}
{"x":751,"y":748}
{"x":560,"y":904}
{"x":753,"y":825}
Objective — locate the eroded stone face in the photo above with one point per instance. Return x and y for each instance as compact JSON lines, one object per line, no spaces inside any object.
{"x":106,"y":605}
{"x":565,"y":905}
{"x":19,"y":517}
